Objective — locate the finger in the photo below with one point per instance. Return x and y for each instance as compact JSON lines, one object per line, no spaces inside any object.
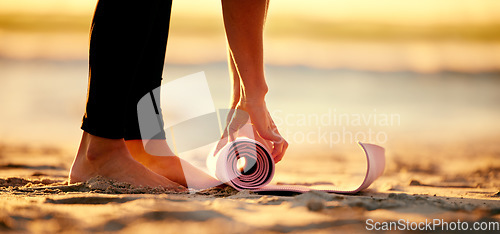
{"x":278,"y":147}
{"x":230,"y":130}
{"x":239,"y":120}
{"x":280,"y":156}
{"x":229,"y":116}
{"x":283,"y":144}
{"x":222,"y":142}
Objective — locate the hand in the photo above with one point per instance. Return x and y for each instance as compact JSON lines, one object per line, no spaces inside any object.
{"x":252,"y":119}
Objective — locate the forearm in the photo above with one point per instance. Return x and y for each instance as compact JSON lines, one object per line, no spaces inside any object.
{"x":235,"y":83}
{"x":244,"y":22}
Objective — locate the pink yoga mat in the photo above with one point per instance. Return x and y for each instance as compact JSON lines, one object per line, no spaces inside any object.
{"x":246,"y":164}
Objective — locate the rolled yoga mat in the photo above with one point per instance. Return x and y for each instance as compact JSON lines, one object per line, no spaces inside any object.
{"x":247,"y":164}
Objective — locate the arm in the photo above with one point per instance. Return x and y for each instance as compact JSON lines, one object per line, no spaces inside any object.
{"x":244,"y":23}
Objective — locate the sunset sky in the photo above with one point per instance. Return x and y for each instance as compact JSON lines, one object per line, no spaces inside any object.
{"x":420,"y":35}
{"x":415,"y":11}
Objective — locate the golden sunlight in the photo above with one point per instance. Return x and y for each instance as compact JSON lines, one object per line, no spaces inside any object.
{"x":423,"y":35}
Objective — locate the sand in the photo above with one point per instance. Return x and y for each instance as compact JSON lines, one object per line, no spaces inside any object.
{"x":35,"y":197}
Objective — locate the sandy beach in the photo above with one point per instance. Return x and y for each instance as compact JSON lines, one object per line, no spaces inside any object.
{"x":442,"y":156}
{"x":419,"y":78}
{"x":35,"y":197}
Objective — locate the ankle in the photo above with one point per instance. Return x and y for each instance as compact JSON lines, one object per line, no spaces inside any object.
{"x":102,"y":148}
{"x":94,"y":156}
{"x":136,"y":149}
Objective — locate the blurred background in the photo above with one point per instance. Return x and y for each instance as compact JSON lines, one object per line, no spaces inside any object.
{"x":431,"y":66}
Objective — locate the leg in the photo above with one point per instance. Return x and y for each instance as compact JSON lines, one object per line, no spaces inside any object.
{"x":117,"y":41}
{"x":149,"y":72}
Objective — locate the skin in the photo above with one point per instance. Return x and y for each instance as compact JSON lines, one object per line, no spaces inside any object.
{"x":244,"y":22}
{"x":171,"y":167}
{"x":111,"y":159}
{"x":127,"y":161}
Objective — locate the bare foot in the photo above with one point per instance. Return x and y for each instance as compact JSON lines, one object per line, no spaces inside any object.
{"x":169,"y":165}
{"x":111,"y":159}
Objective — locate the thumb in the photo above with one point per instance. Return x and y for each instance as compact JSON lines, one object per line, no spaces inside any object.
{"x":239,"y":119}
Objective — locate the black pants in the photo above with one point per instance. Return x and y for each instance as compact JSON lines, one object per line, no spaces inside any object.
{"x":126,"y":58}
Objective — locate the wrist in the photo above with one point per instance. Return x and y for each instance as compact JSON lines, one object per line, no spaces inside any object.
{"x":251,"y":103}
{"x":254,"y":93}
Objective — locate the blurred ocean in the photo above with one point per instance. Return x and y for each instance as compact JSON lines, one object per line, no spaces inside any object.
{"x":43,"y":101}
